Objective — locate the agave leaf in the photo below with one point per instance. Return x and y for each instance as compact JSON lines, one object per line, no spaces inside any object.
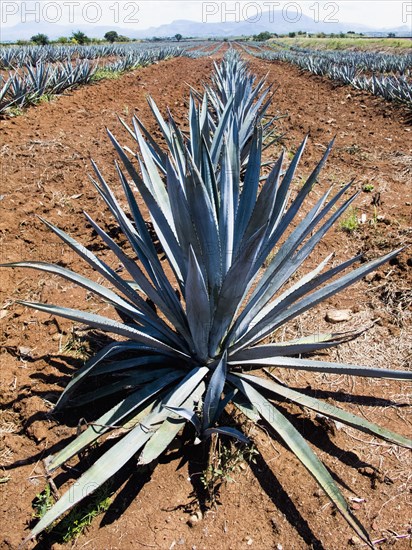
{"x":205,"y":222}
{"x":187,"y":414}
{"x":178,"y":148}
{"x":282,"y":303}
{"x":299,"y":346}
{"x":160,"y":120}
{"x":169,"y":429}
{"x":303,"y":452}
{"x":309,"y":246}
{"x":107,"y":352}
{"x":147,"y":255}
{"x":233,"y":290}
{"x":185,"y":230}
{"x":160,"y":218}
{"x":288,"y":259}
{"x":197,"y":306}
{"x":158,"y":155}
{"x":250,"y":187}
{"x":156,"y":185}
{"x":266,"y":201}
{"x":228,"y":431}
{"x":122,"y":365}
{"x":125,"y":381}
{"x":141,"y":228}
{"x":235,"y":164}
{"x":204,"y":121}
{"x":104,"y":468}
{"x":304,"y":282}
{"x":326,"y":409}
{"x":106,"y":324}
{"x":138,"y":237}
{"x":324,"y":366}
{"x":209,"y":176}
{"x":195,"y":131}
{"x":214,"y":393}
{"x":226,"y":210}
{"x":246,"y":407}
{"x":285,"y":221}
{"x":217,"y":141}
{"x":284,"y":188}
{"x":130,"y":422}
{"x":102,"y":291}
{"x":100,"y":266}
{"x":230,"y":393}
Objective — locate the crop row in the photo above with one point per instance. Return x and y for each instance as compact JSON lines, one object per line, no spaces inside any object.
{"x":13,"y":57}
{"x":25,"y":86}
{"x":350,"y":67}
{"x":375,"y":62}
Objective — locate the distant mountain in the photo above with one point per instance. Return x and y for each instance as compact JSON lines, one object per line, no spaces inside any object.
{"x":269,"y":21}
{"x":272,"y":22}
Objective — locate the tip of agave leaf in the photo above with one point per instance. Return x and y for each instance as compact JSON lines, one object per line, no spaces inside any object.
{"x":47,"y":461}
{"x":26,"y":541}
{"x":43,"y":220}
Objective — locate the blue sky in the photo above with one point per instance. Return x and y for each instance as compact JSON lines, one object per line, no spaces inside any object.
{"x":144,"y":13}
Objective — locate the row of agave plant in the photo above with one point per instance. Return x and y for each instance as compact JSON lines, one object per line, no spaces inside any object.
{"x":133,"y":58}
{"x":369,"y":62}
{"x":203,"y":51}
{"x":340,"y":67}
{"x":197,"y":349}
{"x":373,"y":62}
{"x":26,"y":86}
{"x":13,"y":57}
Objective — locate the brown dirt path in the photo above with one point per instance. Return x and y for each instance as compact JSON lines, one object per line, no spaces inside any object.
{"x":45,"y":161}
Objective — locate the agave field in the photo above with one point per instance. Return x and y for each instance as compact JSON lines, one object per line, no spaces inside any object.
{"x":206,"y":300}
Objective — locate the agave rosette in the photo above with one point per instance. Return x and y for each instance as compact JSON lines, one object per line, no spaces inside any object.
{"x":191,"y":354}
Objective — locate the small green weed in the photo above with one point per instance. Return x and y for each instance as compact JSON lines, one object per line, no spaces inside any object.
{"x":77,"y":346}
{"x":269,"y":258}
{"x":82,"y":516}
{"x":225,"y":459}
{"x":368,"y":188}
{"x":78,"y":519}
{"x":45,"y":98}
{"x":14,"y":111}
{"x":103,"y":74}
{"x":43,"y":502}
{"x":351,"y":222}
